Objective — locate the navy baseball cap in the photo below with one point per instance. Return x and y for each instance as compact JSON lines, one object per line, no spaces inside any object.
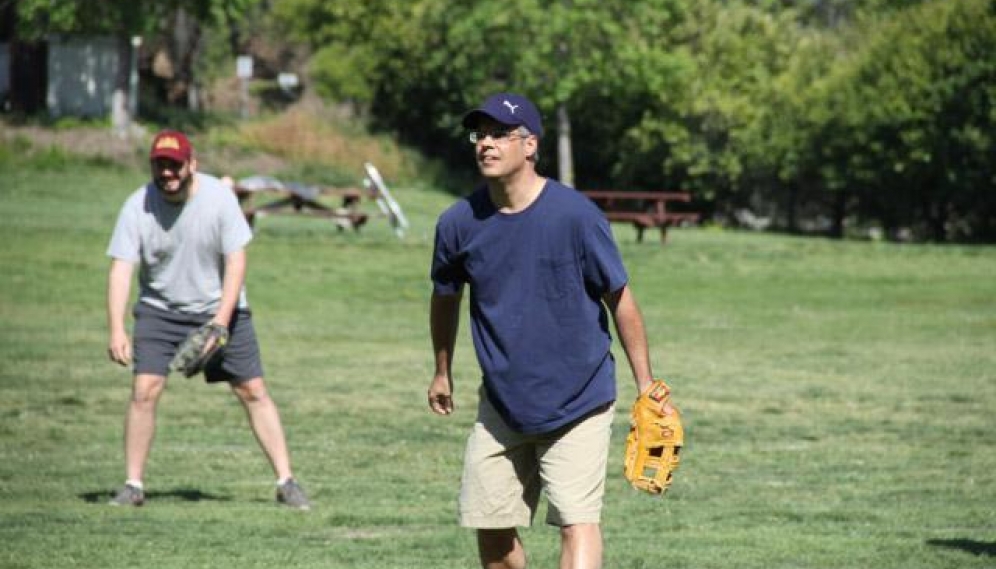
{"x":507,"y":108}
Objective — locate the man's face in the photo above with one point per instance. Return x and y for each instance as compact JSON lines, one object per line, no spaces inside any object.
{"x":173,"y":178}
{"x":501,"y":149}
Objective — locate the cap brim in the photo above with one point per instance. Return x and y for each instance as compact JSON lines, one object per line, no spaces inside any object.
{"x":170,"y":154}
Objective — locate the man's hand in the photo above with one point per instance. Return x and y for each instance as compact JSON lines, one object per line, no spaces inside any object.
{"x":441,"y":395}
{"x":199,"y":348}
{"x":666,"y":407}
{"x":653,"y":446}
{"x":118,"y":287}
{"x":119,"y":347}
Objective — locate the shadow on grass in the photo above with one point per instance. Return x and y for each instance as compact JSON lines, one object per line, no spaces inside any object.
{"x":184,"y":494}
{"x":983,"y":548}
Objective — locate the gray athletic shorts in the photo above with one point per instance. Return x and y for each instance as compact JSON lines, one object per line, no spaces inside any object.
{"x":158,"y":333}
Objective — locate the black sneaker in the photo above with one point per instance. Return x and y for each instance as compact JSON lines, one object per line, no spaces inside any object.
{"x":128,"y":496}
{"x":290,"y":494}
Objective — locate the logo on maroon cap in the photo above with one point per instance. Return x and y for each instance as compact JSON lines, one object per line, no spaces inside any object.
{"x":171,"y":144}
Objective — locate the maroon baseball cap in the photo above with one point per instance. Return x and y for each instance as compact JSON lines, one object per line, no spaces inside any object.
{"x":171,"y":144}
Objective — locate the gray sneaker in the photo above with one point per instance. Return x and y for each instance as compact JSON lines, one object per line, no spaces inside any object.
{"x":292,"y":495}
{"x":128,"y":496}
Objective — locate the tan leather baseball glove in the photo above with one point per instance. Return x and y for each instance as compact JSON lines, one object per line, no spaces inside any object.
{"x":655,"y":440}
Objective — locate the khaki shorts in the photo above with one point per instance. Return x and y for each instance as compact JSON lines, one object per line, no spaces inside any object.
{"x":504,"y":471}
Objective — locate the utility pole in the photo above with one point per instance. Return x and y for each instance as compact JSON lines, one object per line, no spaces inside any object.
{"x":243,"y":69}
{"x":136,"y":43}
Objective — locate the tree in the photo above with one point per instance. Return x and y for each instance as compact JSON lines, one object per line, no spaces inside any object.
{"x":352,"y":43}
{"x":582,"y":62}
{"x":926,"y":103}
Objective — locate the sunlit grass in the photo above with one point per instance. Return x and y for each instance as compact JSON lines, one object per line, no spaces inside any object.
{"x":838,"y":399}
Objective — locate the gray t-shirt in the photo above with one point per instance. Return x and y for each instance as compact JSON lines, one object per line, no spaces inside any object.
{"x":181,"y":248}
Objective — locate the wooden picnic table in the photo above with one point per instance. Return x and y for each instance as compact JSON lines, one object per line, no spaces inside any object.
{"x":644,"y":209}
{"x":299,"y":199}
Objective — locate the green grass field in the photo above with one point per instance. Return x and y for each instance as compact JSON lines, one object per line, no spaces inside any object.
{"x":839,"y":399}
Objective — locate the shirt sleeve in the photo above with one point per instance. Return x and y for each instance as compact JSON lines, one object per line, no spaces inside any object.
{"x":235,"y":230}
{"x":603,"y":267}
{"x":125,"y":242}
{"x":447,"y":274}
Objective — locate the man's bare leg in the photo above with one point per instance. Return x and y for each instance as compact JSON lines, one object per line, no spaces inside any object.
{"x":581,"y":546}
{"x":140,"y":423}
{"x":500,"y":549}
{"x":265,"y":423}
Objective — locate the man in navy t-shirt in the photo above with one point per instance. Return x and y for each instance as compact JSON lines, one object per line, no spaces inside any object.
{"x":544,"y":275}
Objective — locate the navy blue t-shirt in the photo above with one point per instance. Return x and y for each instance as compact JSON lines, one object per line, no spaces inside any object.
{"x":536,"y":280}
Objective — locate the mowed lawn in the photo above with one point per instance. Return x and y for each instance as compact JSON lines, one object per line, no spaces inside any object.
{"x":839,"y":401}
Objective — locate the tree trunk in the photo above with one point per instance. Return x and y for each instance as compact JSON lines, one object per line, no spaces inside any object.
{"x":565,"y":159}
{"x":839,"y":213}
{"x":120,"y":115}
{"x":232,"y":25}
{"x":186,"y":43}
{"x":935,"y":213}
{"x":792,"y":208}
{"x":28,"y":76}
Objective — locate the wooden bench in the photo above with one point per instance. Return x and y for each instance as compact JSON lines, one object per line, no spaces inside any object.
{"x":645,"y":210}
{"x":302,"y":200}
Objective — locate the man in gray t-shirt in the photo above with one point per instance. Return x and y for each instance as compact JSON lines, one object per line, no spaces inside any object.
{"x":187,"y":235}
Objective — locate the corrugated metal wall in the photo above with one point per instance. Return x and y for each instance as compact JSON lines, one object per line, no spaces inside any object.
{"x":81,"y":72}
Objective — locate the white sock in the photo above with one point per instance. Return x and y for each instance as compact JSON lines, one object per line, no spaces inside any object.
{"x":135,"y":483}
{"x":283,"y":481}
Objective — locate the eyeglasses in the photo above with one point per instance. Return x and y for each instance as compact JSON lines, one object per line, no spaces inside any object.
{"x":508,"y":135}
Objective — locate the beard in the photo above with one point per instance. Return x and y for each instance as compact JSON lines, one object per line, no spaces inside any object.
{"x":182,"y":189}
